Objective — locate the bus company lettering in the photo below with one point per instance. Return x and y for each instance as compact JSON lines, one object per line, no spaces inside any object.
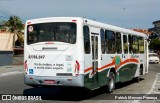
{"x":134,"y":56}
{"x":48,"y":66}
{"x":36,"y":56}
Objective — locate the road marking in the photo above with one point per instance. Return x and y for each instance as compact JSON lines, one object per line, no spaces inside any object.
{"x":152,"y":89}
{"x":155,"y":92}
{"x":157,"y":84}
{"x":10,"y":73}
{"x":154,"y":83}
{"x":136,"y":101}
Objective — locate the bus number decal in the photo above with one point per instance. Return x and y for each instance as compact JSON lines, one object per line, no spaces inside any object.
{"x":36,"y":56}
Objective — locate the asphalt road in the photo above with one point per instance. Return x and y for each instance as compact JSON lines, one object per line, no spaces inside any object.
{"x":149,"y":84}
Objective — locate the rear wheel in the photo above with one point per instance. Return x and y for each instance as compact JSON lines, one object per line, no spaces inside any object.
{"x":137,"y":79}
{"x":111,"y":84}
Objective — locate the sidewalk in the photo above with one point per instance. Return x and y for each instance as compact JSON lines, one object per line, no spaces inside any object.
{"x":11,"y":70}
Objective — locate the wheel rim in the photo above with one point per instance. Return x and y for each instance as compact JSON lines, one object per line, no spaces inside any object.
{"x":111,"y":84}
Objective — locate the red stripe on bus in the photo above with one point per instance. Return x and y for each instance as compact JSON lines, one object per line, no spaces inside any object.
{"x":88,"y":69}
{"x":129,"y":60}
{"x":108,"y":65}
{"x":113,"y":63}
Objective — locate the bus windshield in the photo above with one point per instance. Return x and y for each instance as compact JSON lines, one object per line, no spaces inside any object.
{"x":56,"y":32}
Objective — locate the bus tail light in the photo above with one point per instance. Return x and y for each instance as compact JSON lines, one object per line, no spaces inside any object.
{"x":74,"y":20}
{"x":49,"y":43}
{"x":28,"y":23}
{"x":77,"y":67}
{"x":25,"y":66}
{"x":77,"y":75}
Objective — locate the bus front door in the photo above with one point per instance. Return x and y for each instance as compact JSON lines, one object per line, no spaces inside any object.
{"x":95,"y":40}
{"x":146,"y":55}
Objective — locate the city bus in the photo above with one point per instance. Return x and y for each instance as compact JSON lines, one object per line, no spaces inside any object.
{"x":78,"y":52}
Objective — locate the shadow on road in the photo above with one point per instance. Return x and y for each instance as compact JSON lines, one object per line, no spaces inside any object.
{"x":70,"y":94}
{"x":58,"y":93}
{"x":125,"y":84}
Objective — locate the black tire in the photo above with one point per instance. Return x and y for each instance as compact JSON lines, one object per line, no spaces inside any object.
{"x":111,"y":84}
{"x":34,"y":86}
{"x":137,"y":79}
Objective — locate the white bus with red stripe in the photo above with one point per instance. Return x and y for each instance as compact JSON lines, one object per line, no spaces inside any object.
{"x":74,"y":51}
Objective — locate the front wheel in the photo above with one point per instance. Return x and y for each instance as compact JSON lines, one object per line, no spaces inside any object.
{"x":111,"y":83}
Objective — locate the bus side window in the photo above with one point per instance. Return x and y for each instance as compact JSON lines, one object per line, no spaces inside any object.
{"x":106,"y":41}
{"x":111,"y":41}
{"x":86,"y":37}
{"x":141,"y":45}
{"x":118,"y":42}
{"x":130,"y":44}
{"x":102,"y":41}
{"x":135,"y":44}
{"x":125,"y":44}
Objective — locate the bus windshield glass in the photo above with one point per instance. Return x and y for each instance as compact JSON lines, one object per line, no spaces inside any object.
{"x":52,"y":32}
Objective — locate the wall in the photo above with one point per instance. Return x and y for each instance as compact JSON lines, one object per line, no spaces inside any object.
{"x":6,"y":58}
{"x":6,"y":48}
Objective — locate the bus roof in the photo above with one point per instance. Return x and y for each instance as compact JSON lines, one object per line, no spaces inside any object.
{"x":114,"y":28}
{"x":89,"y":22}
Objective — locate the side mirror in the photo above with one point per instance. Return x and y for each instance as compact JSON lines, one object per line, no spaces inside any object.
{"x":148,"y":40}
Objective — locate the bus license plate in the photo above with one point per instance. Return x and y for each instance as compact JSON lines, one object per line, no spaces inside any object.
{"x":50,"y":82}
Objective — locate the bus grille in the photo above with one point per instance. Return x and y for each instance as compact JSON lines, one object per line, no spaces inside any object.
{"x":64,"y":74}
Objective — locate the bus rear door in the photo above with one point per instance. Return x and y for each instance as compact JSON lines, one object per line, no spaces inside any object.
{"x":95,"y":57}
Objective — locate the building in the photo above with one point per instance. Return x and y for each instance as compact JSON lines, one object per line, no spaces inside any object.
{"x":156,"y":27}
{"x":142,"y":31}
{"x":6,"y":48}
{"x":6,"y":41}
{"x":10,"y":54}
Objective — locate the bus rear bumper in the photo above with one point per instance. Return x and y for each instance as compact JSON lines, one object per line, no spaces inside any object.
{"x":77,"y":81}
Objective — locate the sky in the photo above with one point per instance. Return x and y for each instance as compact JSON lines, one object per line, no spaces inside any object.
{"x":124,"y":13}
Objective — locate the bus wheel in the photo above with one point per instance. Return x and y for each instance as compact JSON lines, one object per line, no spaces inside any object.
{"x":111,"y":84}
{"x":137,"y":79}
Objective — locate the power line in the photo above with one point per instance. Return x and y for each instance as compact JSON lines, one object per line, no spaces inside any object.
{"x":4,"y":17}
{"x":13,"y":12}
{"x":4,"y":13}
{"x":7,"y":12}
{"x":7,"y":9}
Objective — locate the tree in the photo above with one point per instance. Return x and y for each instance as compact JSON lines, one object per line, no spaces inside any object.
{"x":155,"y":44}
{"x":15,"y":26}
{"x":2,"y":26}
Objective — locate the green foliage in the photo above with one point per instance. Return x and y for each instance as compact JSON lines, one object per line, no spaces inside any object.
{"x":14,"y":24}
{"x":154,"y":44}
